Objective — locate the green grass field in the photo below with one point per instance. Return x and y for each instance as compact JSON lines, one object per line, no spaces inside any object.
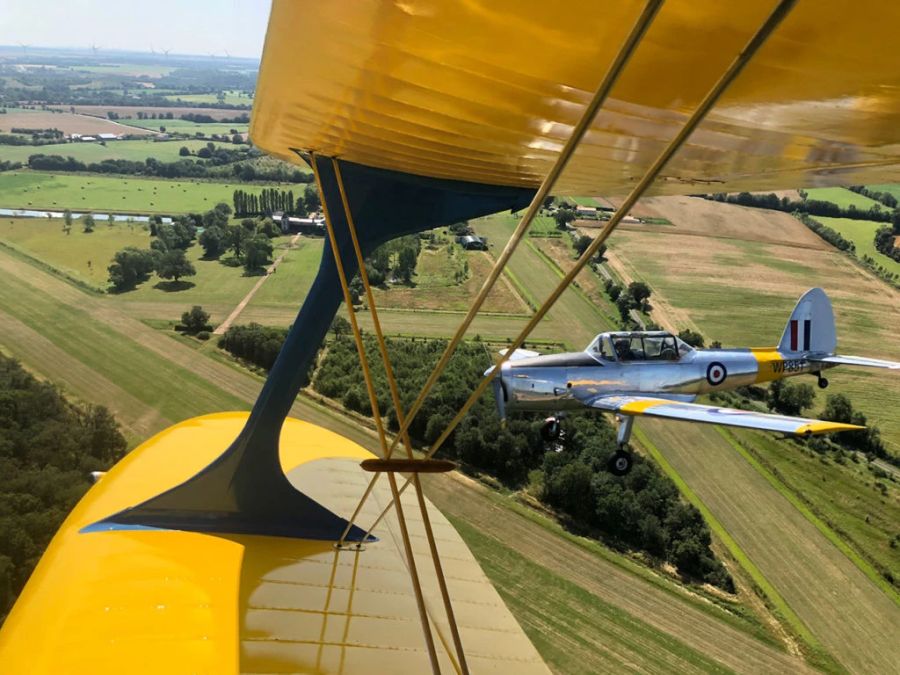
{"x":862,"y":234}
{"x":137,"y":151}
{"x":843,"y":198}
{"x":893,"y":188}
{"x":573,"y":630}
{"x":188,"y":127}
{"x":231,"y":98}
{"x":81,"y":255}
{"x":539,"y":279}
{"x":788,"y":549}
{"x":172,"y":391}
{"x":79,"y":192}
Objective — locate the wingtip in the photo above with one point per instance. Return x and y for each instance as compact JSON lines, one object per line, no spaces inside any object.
{"x":816,"y":428}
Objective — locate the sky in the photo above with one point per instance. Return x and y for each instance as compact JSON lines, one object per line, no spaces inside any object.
{"x":183,"y":26}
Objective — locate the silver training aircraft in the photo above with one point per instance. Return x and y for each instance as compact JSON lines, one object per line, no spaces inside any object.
{"x":658,"y":375}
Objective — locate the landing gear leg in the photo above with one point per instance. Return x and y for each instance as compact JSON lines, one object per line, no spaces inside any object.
{"x":822,"y":381}
{"x":621,"y":463}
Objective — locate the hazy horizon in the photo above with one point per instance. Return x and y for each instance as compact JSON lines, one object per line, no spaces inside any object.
{"x":198,"y":28}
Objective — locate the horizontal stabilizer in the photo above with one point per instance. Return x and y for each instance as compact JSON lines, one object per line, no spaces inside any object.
{"x":730,"y":417}
{"x":856,"y":361}
{"x":519,"y":354}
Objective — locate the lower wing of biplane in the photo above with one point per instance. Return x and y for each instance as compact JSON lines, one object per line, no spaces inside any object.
{"x":730,"y":417}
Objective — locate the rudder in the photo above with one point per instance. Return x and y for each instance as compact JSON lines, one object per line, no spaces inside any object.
{"x":811,"y":326}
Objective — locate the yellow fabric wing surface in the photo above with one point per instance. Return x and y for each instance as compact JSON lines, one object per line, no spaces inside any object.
{"x":157,"y":601}
{"x":488,"y":91}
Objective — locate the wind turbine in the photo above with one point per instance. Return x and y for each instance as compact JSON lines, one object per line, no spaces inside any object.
{"x":94,"y":48}
{"x":166,"y":52}
{"x":24,"y":49}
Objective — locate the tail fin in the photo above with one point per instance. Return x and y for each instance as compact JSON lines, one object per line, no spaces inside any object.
{"x":811,"y":326}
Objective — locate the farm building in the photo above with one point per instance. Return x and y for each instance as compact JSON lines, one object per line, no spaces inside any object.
{"x":472,"y":243}
{"x":586,"y":212}
{"x":310,"y":226}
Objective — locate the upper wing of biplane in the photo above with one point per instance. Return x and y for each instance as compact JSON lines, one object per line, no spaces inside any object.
{"x":489,"y":92}
{"x":212,"y":547}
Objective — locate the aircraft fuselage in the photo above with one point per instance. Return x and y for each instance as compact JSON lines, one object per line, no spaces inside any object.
{"x":571,"y":380}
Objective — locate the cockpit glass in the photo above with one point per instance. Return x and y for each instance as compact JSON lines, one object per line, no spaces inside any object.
{"x":683,"y":347}
{"x":646,"y":347}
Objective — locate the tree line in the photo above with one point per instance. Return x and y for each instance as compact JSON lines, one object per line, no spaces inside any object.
{"x":813,"y":207}
{"x":270,"y":200}
{"x":48,"y":448}
{"x":209,"y":164}
{"x":249,"y":240}
{"x":642,"y":511}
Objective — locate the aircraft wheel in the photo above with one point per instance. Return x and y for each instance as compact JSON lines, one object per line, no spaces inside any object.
{"x":823,"y":383}
{"x":621,"y":463}
{"x":551,"y":429}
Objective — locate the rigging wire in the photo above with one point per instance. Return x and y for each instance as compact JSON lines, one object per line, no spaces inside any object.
{"x":379,"y":425}
{"x":638,"y":30}
{"x":759,"y":38}
{"x":461,"y":665}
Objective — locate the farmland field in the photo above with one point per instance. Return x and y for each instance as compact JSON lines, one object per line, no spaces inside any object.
{"x":81,"y":255}
{"x":794,"y":557}
{"x":672,"y":627}
{"x":65,"y":122}
{"x":137,"y":151}
{"x":843,"y":198}
{"x":188,"y":127}
{"x":435,"y":288}
{"x":231,"y":98}
{"x":131,"y":112}
{"x":741,"y":293}
{"x":893,"y":188}
{"x":862,"y":234}
{"x":527,"y":268}
{"x":43,"y":190}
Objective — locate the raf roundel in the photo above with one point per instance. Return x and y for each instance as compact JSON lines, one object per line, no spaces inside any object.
{"x":716,"y":373}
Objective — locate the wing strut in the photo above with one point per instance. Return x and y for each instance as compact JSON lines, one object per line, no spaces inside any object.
{"x":744,"y":57}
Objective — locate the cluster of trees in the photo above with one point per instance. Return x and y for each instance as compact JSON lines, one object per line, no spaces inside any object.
{"x":6,"y":165}
{"x":270,"y":200}
{"x":635,"y":296}
{"x":790,"y":398}
{"x":249,"y":240}
{"x":813,"y":207}
{"x":254,"y":343}
{"x":150,"y":115}
{"x":581,"y":243}
{"x":48,"y":447}
{"x":884,"y":243}
{"x":643,"y":511}
{"x":52,"y":134}
{"x":166,"y":255}
{"x":885,"y":198}
{"x":198,"y":118}
{"x":195,"y":322}
{"x":282,"y":172}
{"x":397,"y":259}
{"x":14,"y":139}
{"x":563,"y":216}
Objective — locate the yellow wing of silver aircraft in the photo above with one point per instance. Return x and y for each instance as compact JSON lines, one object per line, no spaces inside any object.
{"x":254,"y":542}
{"x":658,"y":375}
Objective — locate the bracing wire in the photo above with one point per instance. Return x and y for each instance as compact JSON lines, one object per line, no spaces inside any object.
{"x":379,"y":425}
{"x":638,"y":30}
{"x":398,"y":408}
{"x":759,"y":38}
